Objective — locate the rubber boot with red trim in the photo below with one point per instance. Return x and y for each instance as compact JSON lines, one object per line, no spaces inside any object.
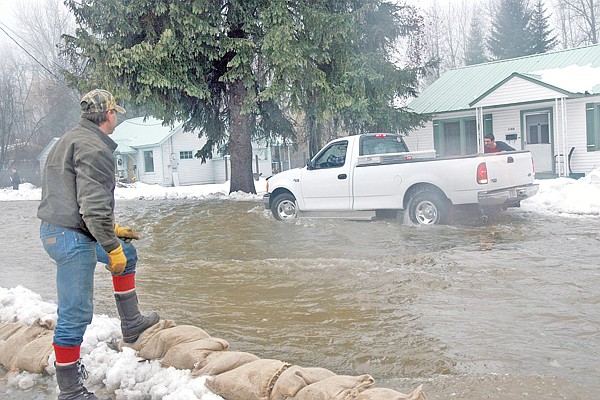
{"x":133,"y":323}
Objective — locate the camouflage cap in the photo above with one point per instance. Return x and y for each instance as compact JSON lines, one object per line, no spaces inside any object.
{"x":99,"y":100}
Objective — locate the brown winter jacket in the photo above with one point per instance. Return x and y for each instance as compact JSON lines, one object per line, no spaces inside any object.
{"x":78,"y":184}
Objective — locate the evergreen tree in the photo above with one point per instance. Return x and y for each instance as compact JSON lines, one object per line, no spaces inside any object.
{"x":475,"y":52}
{"x":510,"y":35}
{"x":542,"y":41}
{"x":342,"y":73}
{"x":236,"y":69}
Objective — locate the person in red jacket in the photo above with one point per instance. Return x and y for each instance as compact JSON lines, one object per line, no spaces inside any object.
{"x":493,"y":146}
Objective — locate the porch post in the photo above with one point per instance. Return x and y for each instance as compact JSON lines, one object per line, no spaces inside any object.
{"x":565,"y":155}
{"x":479,"y":123}
{"x":560,"y":136}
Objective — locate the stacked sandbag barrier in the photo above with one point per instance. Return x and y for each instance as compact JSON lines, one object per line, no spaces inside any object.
{"x":26,"y":348}
{"x":233,"y":375}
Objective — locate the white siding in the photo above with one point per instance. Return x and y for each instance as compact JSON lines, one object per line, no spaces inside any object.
{"x":219,"y":169}
{"x":507,"y":121}
{"x":517,"y":90}
{"x":150,"y":177}
{"x":165,"y":155}
{"x":191,"y":171}
{"x":582,"y":161}
{"x":421,"y":138}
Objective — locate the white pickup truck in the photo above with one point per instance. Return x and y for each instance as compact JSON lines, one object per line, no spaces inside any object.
{"x":365,"y":175}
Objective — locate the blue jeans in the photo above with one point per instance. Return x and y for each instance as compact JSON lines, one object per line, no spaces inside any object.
{"x":76,"y":256}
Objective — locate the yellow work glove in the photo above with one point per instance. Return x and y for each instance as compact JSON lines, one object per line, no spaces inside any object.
{"x":125,"y":233}
{"x":117,"y":261}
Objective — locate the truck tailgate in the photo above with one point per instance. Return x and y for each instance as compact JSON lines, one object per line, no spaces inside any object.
{"x":509,"y":169}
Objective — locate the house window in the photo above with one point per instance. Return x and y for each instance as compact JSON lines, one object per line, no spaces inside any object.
{"x":592,"y":123}
{"x":455,"y":137}
{"x":186,"y":155}
{"x":148,"y":161}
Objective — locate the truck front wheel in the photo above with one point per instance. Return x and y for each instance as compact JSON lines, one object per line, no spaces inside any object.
{"x":427,"y":207}
{"x":284,"y":207}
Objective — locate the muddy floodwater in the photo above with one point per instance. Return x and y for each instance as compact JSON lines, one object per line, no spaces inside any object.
{"x":507,"y":308}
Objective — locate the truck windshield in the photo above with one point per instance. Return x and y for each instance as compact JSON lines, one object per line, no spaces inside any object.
{"x":382,"y":144}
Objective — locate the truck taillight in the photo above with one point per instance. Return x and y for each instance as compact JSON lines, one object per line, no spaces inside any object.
{"x":482,"y":176}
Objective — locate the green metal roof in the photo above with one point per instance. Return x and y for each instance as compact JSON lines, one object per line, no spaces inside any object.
{"x":136,"y":132}
{"x":457,"y":88}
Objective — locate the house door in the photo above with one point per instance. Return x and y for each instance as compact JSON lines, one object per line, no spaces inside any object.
{"x":538,"y":140}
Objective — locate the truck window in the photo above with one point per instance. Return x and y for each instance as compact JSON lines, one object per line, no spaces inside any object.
{"x":333,"y":156}
{"x":382,"y":144}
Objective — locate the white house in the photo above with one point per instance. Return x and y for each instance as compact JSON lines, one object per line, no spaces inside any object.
{"x":548,"y":104}
{"x":155,"y":154}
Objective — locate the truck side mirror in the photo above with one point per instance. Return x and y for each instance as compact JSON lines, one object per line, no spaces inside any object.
{"x":309,"y":164}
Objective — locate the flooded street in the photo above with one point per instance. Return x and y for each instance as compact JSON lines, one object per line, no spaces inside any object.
{"x":508,"y":308}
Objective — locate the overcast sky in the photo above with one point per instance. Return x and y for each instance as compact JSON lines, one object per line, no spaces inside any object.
{"x":7,"y":16}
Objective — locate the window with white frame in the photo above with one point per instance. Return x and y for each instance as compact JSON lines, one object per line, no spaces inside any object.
{"x":186,"y":155}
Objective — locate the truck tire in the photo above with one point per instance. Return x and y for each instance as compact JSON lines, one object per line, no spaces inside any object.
{"x":284,"y":207}
{"x":428,"y":207}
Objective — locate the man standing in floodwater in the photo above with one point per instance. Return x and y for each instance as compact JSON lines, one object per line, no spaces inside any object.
{"x":78,"y":230}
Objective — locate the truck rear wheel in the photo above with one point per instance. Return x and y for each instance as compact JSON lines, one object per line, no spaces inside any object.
{"x":284,"y":207}
{"x":427,"y":207}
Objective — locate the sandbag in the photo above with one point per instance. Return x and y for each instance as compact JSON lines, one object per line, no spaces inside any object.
{"x":8,"y":329}
{"x":34,"y":356}
{"x":158,"y":345}
{"x":12,"y":345}
{"x":149,"y":334}
{"x":295,"y":378}
{"x":252,"y":381}
{"x":339,"y":387}
{"x":222,"y":361}
{"x":185,"y":355}
{"x":389,"y":394}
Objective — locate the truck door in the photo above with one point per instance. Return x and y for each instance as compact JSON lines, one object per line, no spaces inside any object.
{"x":377,"y":186}
{"x":326,"y":186}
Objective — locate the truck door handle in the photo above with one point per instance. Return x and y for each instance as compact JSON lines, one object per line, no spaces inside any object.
{"x":342,"y":176}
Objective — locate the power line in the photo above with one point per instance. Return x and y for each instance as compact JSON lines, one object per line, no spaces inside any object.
{"x":28,"y":53}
